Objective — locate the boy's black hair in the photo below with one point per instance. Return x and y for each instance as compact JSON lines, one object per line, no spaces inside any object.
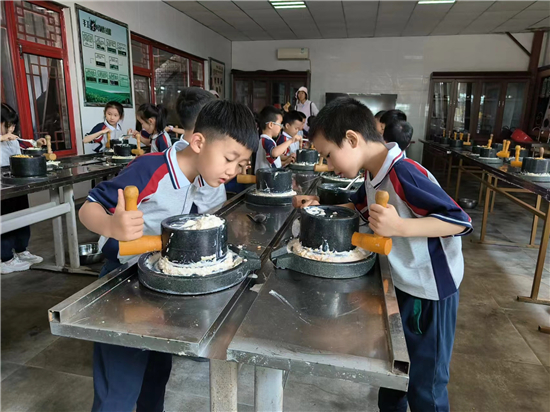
{"x":268,"y":114}
{"x":393,"y":115}
{"x":302,"y":115}
{"x":221,"y":118}
{"x":159,"y":112}
{"x":190,"y":102}
{"x":310,"y":121}
{"x":379,"y":114}
{"x":291,"y":117}
{"x":341,"y":115}
{"x":9,"y":116}
{"x":400,"y":132}
{"x":114,"y":105}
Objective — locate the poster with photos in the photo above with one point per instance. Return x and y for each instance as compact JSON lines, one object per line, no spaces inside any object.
{"x":105,"y":61}
{"x":217,"y":77}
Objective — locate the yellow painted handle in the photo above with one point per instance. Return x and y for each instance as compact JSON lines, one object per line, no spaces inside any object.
{"x":246,"y":179}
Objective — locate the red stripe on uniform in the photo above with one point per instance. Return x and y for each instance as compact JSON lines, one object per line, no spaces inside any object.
{"x":419,"y":167}
{"x":172,"y":168}
{"x":401,"y":193}
{"x":153,"y":182}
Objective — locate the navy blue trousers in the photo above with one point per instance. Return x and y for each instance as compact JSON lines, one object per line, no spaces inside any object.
{"x":17,"y":239}
{"x":126,"y":377}
{"x":429,"y":328}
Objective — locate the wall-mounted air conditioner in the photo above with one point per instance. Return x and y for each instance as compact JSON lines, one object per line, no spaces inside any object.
{"x":293,"y":54}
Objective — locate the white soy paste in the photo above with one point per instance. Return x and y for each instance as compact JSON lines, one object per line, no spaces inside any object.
{"x":202,"y":223}
{"x":354,"y":255}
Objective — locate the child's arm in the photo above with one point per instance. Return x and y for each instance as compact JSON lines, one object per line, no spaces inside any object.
{"x":91,"y":137}
{"x":121,"y":225}
{"x":386,"y":222}
{"x":281,"y":149}
{"x":177,"y":130}
{"x":8,"y":136}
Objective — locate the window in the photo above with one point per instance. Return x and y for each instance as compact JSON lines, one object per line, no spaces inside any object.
{"x":160,"y":72}
{"x":42,"y":88}
{"x":8,"y":80}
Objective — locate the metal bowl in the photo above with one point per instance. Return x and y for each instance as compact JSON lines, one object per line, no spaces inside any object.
{"x":89,"y":253}
{"x":467,"y":203}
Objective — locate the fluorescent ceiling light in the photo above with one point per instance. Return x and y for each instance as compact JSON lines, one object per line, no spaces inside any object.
{"x":280,"y":4}
{"x":435,"y":1}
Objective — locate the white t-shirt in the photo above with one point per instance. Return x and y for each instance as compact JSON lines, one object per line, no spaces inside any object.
{"x":309,"y":109}
{"x":9,"y":148}
{"x":263,"y":155}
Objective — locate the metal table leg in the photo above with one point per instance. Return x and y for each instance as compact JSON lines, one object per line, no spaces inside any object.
{"x":72,"y":235}
{"x":450,"y":171}
{"x":458,"y":179}
{"x":223,"y":386}
{"x":268,"y":390}
{"x":57,"y":225}
{"x":485,"y":210}
{"x":534,"y":297}
{"x":494,"y":196}
{"x":534,"y":228}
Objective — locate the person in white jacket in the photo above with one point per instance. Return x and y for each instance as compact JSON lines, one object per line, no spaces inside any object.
{"x":305,"y":106}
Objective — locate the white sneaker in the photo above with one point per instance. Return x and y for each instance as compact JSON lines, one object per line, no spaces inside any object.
{"x":14,"y":265}
{"x":27,"y":256}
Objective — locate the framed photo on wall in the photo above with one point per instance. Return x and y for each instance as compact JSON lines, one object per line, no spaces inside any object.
{"x":105,"y":58}
{"x":217,"y":76}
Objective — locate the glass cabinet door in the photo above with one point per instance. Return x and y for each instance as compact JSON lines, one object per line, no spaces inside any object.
{"x":513,"y":104}
{"x":441,"y":102}
{"x":278,"y":93}
{"x":241,"y":92}
{"x":259,"y":95}
{"x":464,"y":100}
{"x":488,"y":108}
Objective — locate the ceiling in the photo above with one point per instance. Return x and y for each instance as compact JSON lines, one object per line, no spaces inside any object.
{"x":258,"y":20}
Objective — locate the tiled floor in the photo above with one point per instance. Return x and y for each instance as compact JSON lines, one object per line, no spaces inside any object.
{"x":501,"y":363}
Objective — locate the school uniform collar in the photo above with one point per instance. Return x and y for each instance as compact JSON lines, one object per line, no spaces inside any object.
{"x":287,"y":135}
{"x":394,"y":154}
{"x":266,"y":136}
{"x":118,"y":126}
{"x":179,"y":180}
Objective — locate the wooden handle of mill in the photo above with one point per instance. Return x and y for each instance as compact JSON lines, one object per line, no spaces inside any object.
{"x":108,"y":144}
{"x":321,"y":160}
{"x":49,"y":143}
{"x":372,"y":243}
{"x":145,"y":243}
{"x":490,"y":142}
{"x":382,"y":198}
{"x":246,"y":179}
{"x":322,"y":168}
{"x":454,"y":136}
{"x":518,"y":149}
{"x":460,"y":136}
{"x":541,"y":151}
{"x":299,"y":200}
{"x":443,"y":132}
{"x":468,"y":138}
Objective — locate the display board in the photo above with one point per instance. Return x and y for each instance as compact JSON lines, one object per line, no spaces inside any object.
{"x":105,"y":57}
{"x":217,"y":77}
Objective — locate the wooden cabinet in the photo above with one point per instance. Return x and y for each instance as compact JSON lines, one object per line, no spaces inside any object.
{"x":261,"y":88}
{"x":479,"y":103}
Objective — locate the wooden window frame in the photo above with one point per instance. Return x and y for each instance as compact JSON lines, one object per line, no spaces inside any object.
{"x":17,"y":48}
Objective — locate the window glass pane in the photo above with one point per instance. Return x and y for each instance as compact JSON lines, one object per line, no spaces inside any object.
{"x":488,"y":107}
{"x":241,"y":91}
{"x":49,"y":111}
{"x":441,"y":101}
{"x":513,"y":105}
{"x":8,"y":81}
{"x":38,"y":24}
{"x":463,"y":107}
{"x":142,"y":90}
{"x":140,"y":54}
{"x":171,"y":75}
{"x":278,"y":93}
{"x":197,"y":69}
{"x":259,"y":95}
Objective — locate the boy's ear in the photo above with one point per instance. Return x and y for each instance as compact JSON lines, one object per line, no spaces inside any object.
{"x":196,"y":142}
{"x":352,"y":138}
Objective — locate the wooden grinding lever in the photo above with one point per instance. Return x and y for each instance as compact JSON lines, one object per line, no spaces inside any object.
{"x":108,"y":144}
{"x":374,"y":243}
{"x":145,"y":243}
{"x":50,"y":155}
{"x":516,"y":162}
{"x":541,"y":152}
{"x":467,"y":142}
{"x":504,"y":152}
{"x":322,"y":168}
{"x":246,"y":179}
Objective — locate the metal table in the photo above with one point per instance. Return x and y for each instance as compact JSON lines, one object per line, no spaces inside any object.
{"x":116,"y":309}
{"x":490,"y":177}
{"x":344,"y":329}
{"x":60,"y":185}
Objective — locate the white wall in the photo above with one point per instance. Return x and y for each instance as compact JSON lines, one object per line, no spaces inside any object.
{"x":398,"y":65}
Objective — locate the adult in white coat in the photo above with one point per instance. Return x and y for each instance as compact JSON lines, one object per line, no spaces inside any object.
{"x":305,"y":106}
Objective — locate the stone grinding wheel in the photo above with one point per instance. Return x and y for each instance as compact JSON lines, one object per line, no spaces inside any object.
{"x":538,"y":165}
{"x":158,"y":281}
{"x":271,"y":181}
{"x":307,"y":156}
{"x":333,"y":193}
{"x":302,"y":168}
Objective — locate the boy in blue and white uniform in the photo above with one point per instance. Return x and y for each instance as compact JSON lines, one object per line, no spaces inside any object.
{"x":292,"y":125}
{"x":113,"y":115}
{"x":224,"y":138}
{"x":426,"y":260}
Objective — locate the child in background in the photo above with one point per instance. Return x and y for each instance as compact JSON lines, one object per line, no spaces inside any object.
{"x":391,"y":116}
{"x":15,"y":256}
{"x":292,"y":124}
{"x":153,"y":121}
{"x":304,"y":118}
{"x":377,"y":117}
{"x":189,"y":104}
{"x":113,"y":115}
{"x":268,"y":154}
{"x":400,"y":132}
{"x":426,"y":259}
{"x":225,"y":136}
